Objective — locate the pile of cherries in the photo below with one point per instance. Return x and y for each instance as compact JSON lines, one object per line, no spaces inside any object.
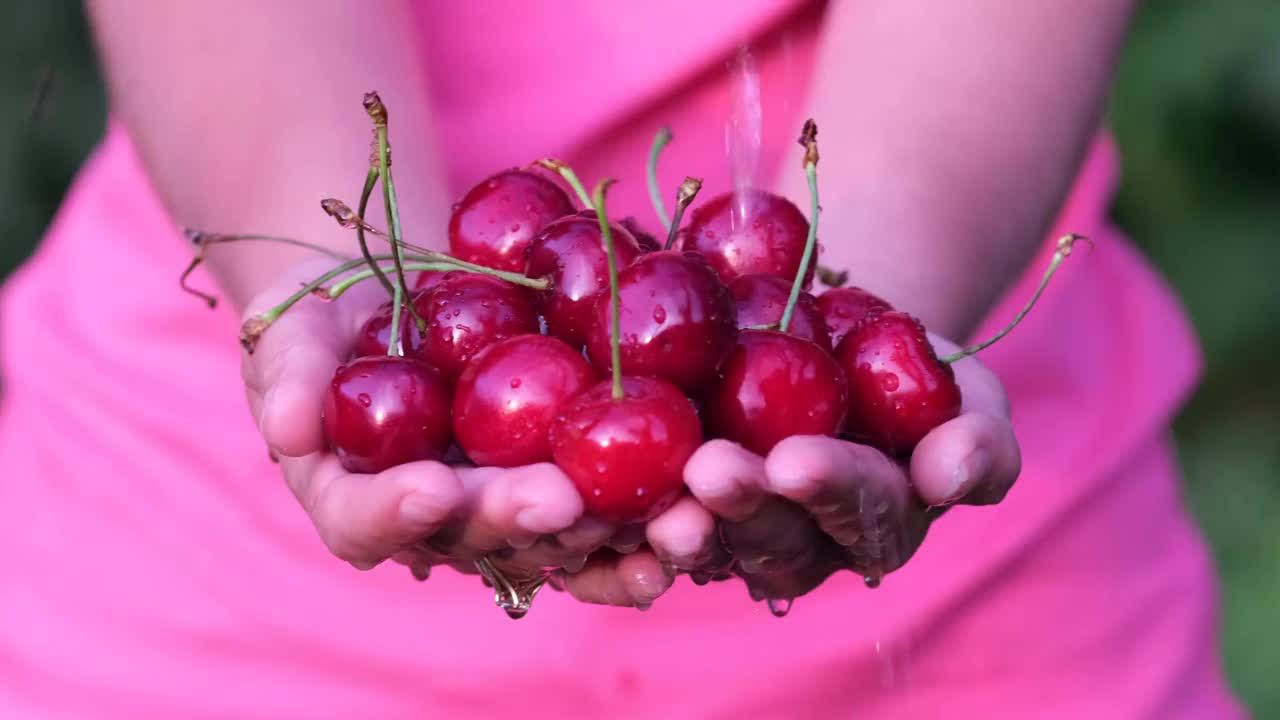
{"x":553,"y":333}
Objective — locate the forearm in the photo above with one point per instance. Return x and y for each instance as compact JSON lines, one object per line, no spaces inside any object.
{"x":247,"y":114}
{"x":950,"y":133}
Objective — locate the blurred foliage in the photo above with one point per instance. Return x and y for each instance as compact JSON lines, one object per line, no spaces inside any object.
{"x":1197,"y":112}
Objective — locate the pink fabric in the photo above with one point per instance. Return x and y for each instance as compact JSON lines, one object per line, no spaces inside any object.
{"x":155,"y":565}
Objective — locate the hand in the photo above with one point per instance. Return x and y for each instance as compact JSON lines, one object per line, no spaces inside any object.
{"x":424,"y":514}
{"x":817,"y":505}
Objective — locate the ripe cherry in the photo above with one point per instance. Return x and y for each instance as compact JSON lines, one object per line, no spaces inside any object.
{"x":626,"y":456}
{"x":428,"y":279}
{"x":569,"y":252}
{"x":844,"y":307}
{"x":467,"y":312}
{"x":678,"y":321}
{"x":764,"y":233}
{"x":761,"y":300}
{"x":375,"y":334}
{"x":773,"y":386}
{"x":496,"y":220}
{"x":508,"y":395}
{"x":383,"y":411}
{"x":898,"y":388}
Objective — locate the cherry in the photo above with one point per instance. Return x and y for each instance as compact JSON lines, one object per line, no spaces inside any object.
{"x":570,"y":253}
{"x":898,"y":388}
{"x":508,"y":395}
{"x":761,"y":299}
{"x":467,"y":312}
{"x":626,"y":455}
{"x":844,"y":307}
{"x":496,"y":220}
{"x":678,"y":321}
{"x":769,"y":238}
{"x":384,"y":411}
{"x":428,"y":279}
{"x":647,"y":241}
{"x":773,"y":386}
{"x":375,"y":334}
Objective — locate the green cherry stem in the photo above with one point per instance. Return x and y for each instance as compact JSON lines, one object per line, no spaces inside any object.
{"x":660,"y":141}
{"x":396,"y":349}
{"x":370,"y":181}
{"x":1065,"y":244}
{"x":684,"y":196}
{"x":564,"y":171}
{"x":615,"y":345}
{"x":377,"y":111}
{"x":203,"y":240}
{"x":415,"y":264}
{"x":809,"y":139}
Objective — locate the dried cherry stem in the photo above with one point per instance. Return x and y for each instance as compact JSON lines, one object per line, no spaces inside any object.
{"x":203,"y":240}
{"x":684,"y":196}
{"x":1065,"y":243}
{"x":809,"y":139}
{"x":340,"y":212}
{"x":832,"y":278}
{"x":377,"y":111}
{"x":564,"y":171}
{"x":660,"y":141}
{"x":253,"y":328}
{"x":615,"y":329}
{"x":370,"y":181}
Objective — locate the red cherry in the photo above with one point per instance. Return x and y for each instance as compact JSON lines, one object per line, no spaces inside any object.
{"x":646,"y":240}
{"x":769,"y":238}
{"x":375,"y":334}
{"x":678,"y":321}
{"x":570,"y":252}
{"x":761,"y":300}
{"x":774,"y":386}
{"x":428,"y":279}
{"x":383,"y":411}
{"x":627,"y":456}
{"x":508,"y":395}
{"x":844,"y":307}
{"x":467,"y":312}
{"x":496,"y":220}
{"x":898,"y":389}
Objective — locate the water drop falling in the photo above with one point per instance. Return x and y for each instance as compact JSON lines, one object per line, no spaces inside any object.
{"x":779,"y":606}
{"x":871,"y":581}
{"x":743,"y":132}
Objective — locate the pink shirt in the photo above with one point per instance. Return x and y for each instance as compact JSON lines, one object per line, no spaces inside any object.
{"x":156,"y":566}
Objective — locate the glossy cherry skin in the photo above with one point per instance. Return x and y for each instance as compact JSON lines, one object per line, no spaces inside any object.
{"x":383,"y":411}
{"x":844,"y":307}
{"x":570,"y":253}
{"x":770,"y":238}
{"x":428,"y":279}
{"x":508,"y":395}
{"x":373,"y":336}
{"x":496,"y":220}
{"x":627,"y":456}
{"x":646,"y":240}
{"x":678,"y":321}
{"x":774,"y":386}
{"x":467,"y":312}
{"x":761,"y":300}
{"x":898,"y":389}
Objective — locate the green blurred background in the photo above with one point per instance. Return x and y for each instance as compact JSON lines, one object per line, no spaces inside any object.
{"x":1197,"y":111}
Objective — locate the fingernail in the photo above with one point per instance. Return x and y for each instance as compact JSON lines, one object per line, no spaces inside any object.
{"x":418,"y":509}
{"x":971,"y":469}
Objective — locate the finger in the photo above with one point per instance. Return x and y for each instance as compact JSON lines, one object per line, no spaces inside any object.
{"x":973,"y":459}
{"x":634,"y":580}
{"x":419,"y":561}
{"x":365,"y":519}
{"x":514,"y":507}
{"x":568,"y":549}
{"x":850,"y":490}
{"x":727,"y":479}
{"x":685,"y":537}
{"x":779,"y":538}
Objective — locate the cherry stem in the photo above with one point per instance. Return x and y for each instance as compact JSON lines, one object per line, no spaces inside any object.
{"x":395,"y":346}
{"x":336,"y":290}
{"x":615,"y":346}
{"x":832,"y":278}
{"x":203,"y":240}
{"x":684,"y":196}
{"x":370,"y":180}
{"x":660,"y":141}
{"x":339,"y":211}
{"x":809,"y":139}
{"x":564,"y":171}
{"x":1065,"y":243}
{"x":378,"y":113}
